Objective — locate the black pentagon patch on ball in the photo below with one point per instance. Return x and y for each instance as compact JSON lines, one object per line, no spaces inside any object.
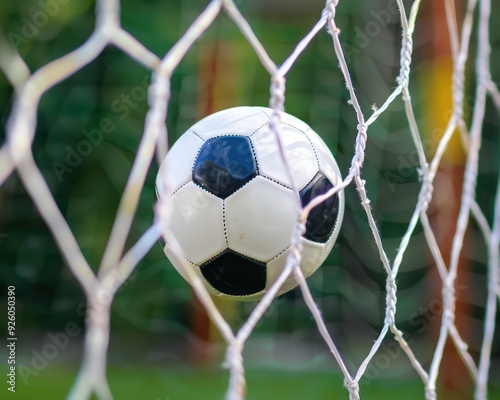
{"x":322,"y":218}
{"x":234,"y":274}
{"x":224,"y":164}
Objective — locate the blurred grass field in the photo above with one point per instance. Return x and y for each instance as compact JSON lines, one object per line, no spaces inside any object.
{"x":150,"y":383}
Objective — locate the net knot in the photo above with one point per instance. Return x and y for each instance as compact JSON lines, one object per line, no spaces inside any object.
{"x":159,"y":90}
{"x":301,"y":227}
{"x":353,"y":388}
{"x":361,"y":140}
{"x":330,"y":10}
{"x":365,"y":202}
{"x":234,"y":358}
{"x":331,"y":3}
{"x":234,"y":362}
{"x":277,"y":100}
{"x":430,"y":393}
{"x":406,"y":52}
{"x":427,"y":191}
{"x":458,"y":91}
{"x":359,"y":147}
{"x":391,"y":300}
{"x":296,"y":247}
{"x":448,"y":302}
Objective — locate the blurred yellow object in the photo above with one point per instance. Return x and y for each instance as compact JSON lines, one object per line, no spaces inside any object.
{"x":435,"y":79}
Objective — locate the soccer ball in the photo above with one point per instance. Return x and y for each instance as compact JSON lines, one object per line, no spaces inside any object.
{"x":231,"y":209}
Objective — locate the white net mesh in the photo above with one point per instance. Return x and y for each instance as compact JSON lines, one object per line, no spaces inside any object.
{"x":117,"y":264}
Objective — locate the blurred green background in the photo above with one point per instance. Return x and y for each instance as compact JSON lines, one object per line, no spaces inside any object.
{"x":161,"y":346}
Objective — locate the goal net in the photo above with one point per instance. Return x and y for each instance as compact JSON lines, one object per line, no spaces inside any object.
{"x":436,"y":199}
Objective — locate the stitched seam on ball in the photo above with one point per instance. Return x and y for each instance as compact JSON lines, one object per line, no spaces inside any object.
{"x":317,"y":263}
{"x":314,"y":177}
{"x":237,"y":296}
{"x":224,"y":221}
{"x":337,"y":220}
{"x":194,"y":133}
{"x":291,"y":126}
{"x":280,"y":253}
{"x":241,"y":187}
{"x":232,"y":251}
{"x":312,"y":146}
{"x":258,"y":129}
{"x":181,"y":256}
{"x":267,"y":116}
{"x":308,"y":140}
{"x":254,"y":154}
{"x":205,"y":190}
{"x":179,"y":188}
{"x":277,"y":182}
